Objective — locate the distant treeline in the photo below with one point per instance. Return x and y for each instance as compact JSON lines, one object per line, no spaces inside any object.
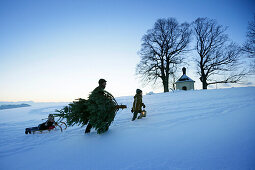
{"x":11,"y":106}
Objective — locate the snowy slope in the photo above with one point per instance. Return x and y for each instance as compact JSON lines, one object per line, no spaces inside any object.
{"x":212,"y":129}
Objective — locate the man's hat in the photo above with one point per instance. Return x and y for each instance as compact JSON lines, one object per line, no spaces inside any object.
{"x":101,"y":81}
{"x":138,"y":91}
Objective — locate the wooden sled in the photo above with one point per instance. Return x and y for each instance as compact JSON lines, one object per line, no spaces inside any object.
{"x":57,"y":125}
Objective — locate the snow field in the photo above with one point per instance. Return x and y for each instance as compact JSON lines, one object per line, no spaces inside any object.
{"x":204,"y":129}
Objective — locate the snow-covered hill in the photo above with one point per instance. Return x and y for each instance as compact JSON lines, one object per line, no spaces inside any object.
{"x":212,"y":129}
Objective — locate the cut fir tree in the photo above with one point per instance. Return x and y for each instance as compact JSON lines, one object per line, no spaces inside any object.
{"x":98,"y":111}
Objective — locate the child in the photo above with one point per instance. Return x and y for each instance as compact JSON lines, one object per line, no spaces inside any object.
{"x":49,"y":124}
{"x":137,"y":104}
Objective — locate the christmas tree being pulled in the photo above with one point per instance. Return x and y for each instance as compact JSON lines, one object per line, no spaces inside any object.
{"x":97,"y":112}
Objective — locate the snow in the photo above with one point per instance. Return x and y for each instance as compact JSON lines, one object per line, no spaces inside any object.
{"x":201,"y":129}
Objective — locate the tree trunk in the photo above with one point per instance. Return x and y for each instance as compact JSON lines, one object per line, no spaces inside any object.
{"x":205,"y":85}
{"x":203,"y":76}
{"x":165,"y":84}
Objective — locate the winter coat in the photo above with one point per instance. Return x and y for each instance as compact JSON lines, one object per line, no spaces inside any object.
{"x":45,"y":125}
{"x":99,"y":90}
{"x":138,"y":103}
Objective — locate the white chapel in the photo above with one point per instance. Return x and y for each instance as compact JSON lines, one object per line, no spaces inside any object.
{"x":184,"y":82}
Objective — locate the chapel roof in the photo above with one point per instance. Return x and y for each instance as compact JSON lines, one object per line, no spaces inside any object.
{"x":184,"y":77}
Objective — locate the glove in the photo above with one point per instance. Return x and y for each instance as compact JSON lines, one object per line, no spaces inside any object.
{"x":132,"y":110}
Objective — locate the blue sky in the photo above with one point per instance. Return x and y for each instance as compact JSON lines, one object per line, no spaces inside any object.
{"x":54,"y":50}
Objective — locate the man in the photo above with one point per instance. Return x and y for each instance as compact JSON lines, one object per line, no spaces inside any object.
{"x":99,"y":90}
{"x":97,"y":112}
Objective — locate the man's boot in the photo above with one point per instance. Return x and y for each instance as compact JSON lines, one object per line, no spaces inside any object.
{"x":88,"y":128}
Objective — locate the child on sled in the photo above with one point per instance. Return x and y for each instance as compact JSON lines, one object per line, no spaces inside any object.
{"x":137,"y":105}
{"x":49,"y":124}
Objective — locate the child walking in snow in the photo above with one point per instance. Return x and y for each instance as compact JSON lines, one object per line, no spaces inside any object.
{"x":137,"y":104}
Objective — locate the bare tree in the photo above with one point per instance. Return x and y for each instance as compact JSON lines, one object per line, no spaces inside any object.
{"x":217,"y":57}
{"x":161,"y":50}
{"x":249,"y":45}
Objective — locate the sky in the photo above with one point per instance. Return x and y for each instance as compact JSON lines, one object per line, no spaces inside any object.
{"x":57,"y":50}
